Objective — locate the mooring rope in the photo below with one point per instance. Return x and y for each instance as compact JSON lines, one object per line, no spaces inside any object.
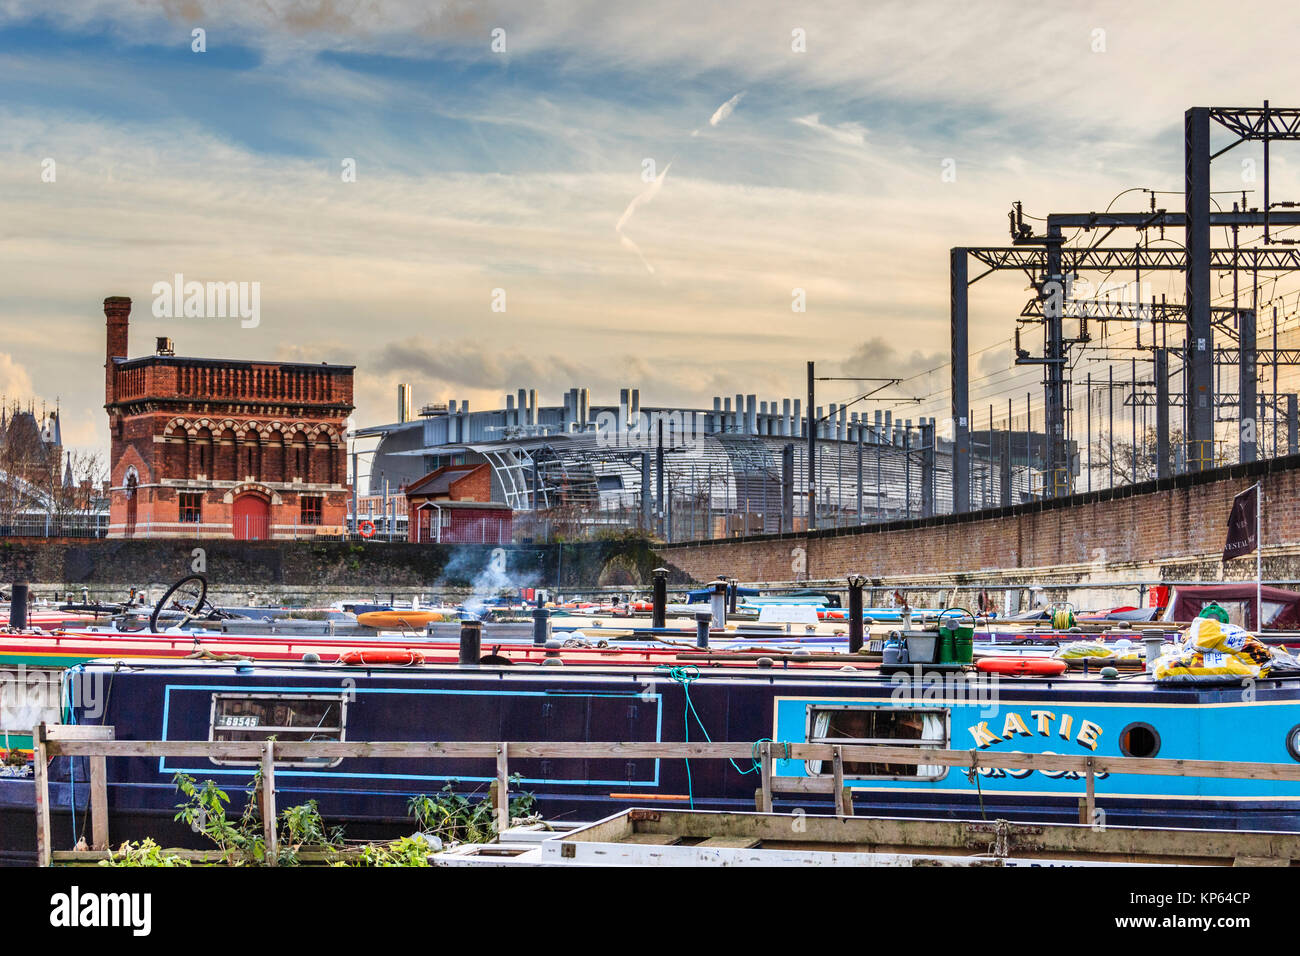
{"x":687,"y":674}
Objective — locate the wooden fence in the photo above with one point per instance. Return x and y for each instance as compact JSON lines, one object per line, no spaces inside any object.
{"x":98,"y":743}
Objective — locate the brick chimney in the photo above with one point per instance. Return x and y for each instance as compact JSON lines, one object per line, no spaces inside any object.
{"x":117,"y":310}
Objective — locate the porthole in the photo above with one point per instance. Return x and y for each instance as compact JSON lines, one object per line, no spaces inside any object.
{"x":1139,"y":740}
{"x":1293,"y":742}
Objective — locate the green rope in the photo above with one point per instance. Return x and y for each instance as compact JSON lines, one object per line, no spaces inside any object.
{"x":686,"y":675}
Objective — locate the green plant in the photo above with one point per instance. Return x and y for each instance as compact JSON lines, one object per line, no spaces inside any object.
{"x":459,"y":819}
{"x":204,"y":810}
{"x":407,"y":851}
{"x":302,"y":825}
{"x":147,"y":853}
{"x":243,"y":840}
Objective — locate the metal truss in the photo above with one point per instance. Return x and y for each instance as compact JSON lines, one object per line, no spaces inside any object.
{"x":1035,"y":261}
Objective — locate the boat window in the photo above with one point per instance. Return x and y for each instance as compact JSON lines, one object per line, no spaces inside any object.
{"x":286,"y":717}
{"x":883,"y":726}
{"x":1139,"y":740}
{"x":1272,"y":611}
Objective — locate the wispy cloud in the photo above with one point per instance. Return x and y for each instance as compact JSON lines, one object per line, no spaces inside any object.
{"x":852,"y":134}
{"x":645,"y":196}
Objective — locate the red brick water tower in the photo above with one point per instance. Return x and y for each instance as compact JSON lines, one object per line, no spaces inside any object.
{"x":222,"y":447}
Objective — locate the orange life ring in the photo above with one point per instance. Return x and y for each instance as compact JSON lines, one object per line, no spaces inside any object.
{"x":366,"y":529}
{"x":1022,"y":666}
{"x":404,"y":656}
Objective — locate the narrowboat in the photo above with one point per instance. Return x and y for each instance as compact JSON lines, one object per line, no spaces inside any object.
{"x":786,"y":702}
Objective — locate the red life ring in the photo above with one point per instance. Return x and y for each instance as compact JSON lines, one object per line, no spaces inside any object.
{"x":403,"y":656}
{"x":1022,"y":666}
{"x":366,"y":529}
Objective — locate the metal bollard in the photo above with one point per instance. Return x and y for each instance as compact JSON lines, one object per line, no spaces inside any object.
{"x":856,"y":581}
{"x":702,"y":621}
{"x":659,"y":611}
{"x":541,"y":626}
{"x":18,"y":605}
{"x":471,"y":642}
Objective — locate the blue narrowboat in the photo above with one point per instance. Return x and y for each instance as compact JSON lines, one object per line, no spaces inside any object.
{"x":1132,"y":716}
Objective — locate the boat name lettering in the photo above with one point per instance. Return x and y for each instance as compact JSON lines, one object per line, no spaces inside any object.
{"x":1043,"y":723}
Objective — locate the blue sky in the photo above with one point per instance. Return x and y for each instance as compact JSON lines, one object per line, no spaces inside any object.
{"x":479,"y":170}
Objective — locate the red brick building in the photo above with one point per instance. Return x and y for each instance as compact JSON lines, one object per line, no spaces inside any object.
{"x":220,"y":447}
{"x":453,"y":504}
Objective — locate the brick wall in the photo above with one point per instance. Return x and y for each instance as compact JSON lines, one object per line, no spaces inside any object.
{"x":1176,"y":526}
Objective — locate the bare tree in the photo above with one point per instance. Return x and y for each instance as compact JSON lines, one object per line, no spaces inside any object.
{"x":1129,"y":468}
{"x":72,"y":494}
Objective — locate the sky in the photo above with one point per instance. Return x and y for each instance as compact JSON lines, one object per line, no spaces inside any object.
{"x":645,"y":189}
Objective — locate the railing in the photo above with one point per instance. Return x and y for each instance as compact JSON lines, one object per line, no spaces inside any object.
{"x":97,"y":743}
{"x":67,"y":526}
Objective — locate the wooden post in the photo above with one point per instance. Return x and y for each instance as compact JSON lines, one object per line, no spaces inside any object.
{"x":269,"y":829}
{"x":837,"y":768}
{"x":42,"y":779}
{"x":98,"y":802}
{"x":765,"y":770}
{"x":1090,"y":801}
{"x":503,"y":788}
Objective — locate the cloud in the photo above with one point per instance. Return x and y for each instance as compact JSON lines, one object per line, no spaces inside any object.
{"x":852,"y":134}
{"x":15,"y":382}
{"x":643,"y":197}
{"x":877,"y":357}
{"x":725,"y":110}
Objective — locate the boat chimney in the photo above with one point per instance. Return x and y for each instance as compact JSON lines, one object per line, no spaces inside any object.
{"x":659,"y":609}
{"x":856,"y":581}
{"x":541,"y":626}
{"x":1154,"y":647}
{"x":18,"y":606}
{"x":719,"y":603}
{"x":471,"y":642}
{"x":702,"y":619}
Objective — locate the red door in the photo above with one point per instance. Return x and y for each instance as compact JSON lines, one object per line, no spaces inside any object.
{"x":251,"y":519}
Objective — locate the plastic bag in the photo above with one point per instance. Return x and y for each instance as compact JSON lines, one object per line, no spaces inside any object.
{"x":1207,"y":635}
{"x":1214,"y":652}
{"x":1190,"y":666}
{"x":1079,"y":649}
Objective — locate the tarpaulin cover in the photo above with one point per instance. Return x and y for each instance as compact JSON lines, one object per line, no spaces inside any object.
{"x":1281,"y":607}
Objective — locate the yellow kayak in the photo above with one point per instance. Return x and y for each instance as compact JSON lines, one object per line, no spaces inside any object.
{"x":403,"y":619}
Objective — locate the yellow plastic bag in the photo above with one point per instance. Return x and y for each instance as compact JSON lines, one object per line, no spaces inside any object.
{"x":1191,"y":666}
{"x":1208,"y":636}
{"x":1080,"y":649}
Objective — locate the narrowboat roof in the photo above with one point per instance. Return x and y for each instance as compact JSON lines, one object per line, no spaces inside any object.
{"x":933,"y":685}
